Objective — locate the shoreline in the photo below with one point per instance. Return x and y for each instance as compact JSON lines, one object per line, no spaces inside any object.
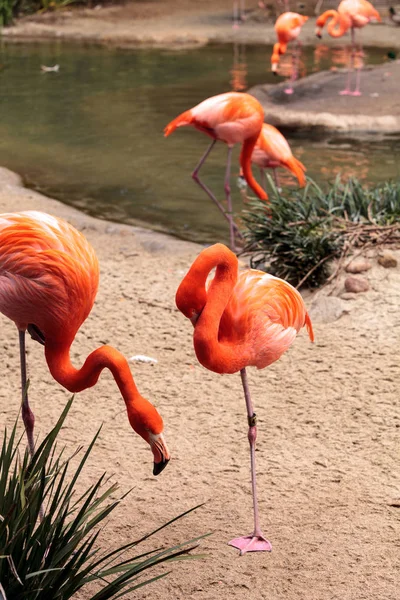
{"x":106,"y":26}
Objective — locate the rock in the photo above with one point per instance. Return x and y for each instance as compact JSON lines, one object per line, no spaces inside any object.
{"x":326,"y":309}
{"x":356,"y":284}
{"x":358,"y":266}
{"x":387,"y":259}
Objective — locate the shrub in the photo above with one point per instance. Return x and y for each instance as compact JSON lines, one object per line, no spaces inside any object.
{"x":53,"y":556}
{"x":296,"y":235}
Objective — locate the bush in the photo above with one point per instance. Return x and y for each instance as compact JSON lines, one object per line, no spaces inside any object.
{"x":53,"y":556}
{"x":297,"y":234}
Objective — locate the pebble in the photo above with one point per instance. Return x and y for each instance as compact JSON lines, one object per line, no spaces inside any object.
{"x":325,"y":309}
{"x":387,"y":259}
{"x":356,"y":284}
{"x":358,"y":266}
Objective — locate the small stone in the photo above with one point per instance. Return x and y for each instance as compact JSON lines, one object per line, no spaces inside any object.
{"x":387,"y":259}
{"x":348,"y":296}
{"x":358,"y":266}
{"x":326,"y":309}
{"x":356,"y":284}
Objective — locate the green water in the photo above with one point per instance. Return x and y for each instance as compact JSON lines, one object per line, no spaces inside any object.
{"x":91,"y":134}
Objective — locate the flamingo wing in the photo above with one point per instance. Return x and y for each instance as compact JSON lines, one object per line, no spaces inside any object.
{"x":264,"y":314}
{"x":48,"y":272}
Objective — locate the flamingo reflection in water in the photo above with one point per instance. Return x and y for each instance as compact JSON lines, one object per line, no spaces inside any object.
{"x":238,"y":72}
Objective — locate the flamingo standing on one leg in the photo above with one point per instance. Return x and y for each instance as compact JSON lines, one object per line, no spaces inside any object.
{"x":351,"y":14}
{"x":48,"y":282}
{"x":272,"y":151}
{"x":233,"y":118}
{"x":241,"y":319}
{"x":288,"y":27}
{"x":239,"y":11}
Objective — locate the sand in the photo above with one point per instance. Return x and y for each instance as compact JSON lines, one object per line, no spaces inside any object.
{"x":328,"y":444}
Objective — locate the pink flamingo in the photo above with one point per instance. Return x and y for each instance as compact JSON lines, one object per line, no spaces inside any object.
{"x":241,"y":319}
{"x":233,"y":118}
{"x":351,"y":14}
{"x":271,"y":151}
{"x":288,"y":27}
{"x":49,"y":277}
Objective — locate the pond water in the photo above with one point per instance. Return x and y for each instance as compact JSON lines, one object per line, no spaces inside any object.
{"x":91,"y":134}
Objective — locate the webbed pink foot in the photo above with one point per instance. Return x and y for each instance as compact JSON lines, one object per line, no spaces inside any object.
{"x":251,"y":543}
{"x":345,"y":92}
{"x":288,"y":91}
{"x":355,"y":93}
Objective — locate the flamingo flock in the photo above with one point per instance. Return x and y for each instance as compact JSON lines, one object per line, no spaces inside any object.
{"x":49,"y":273}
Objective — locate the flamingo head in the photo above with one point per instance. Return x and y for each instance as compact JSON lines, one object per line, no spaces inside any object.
{"x":147,"y":422}
{"x":278,"y":49}
{"x":190,"y":299}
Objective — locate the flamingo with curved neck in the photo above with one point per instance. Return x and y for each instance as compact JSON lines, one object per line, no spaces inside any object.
{"x":241,"y":319}
{"x":233,"y":118}
{"x":48,"y":282}
{"x":287,"y":27}
{"x":351,"y":14}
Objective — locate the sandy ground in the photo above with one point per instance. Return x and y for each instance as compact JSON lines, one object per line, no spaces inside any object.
{"x":328,"y":445}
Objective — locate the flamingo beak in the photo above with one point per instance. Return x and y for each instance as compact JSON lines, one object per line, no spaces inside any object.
{"x":160,"y":451}
{"x":318,"y":34}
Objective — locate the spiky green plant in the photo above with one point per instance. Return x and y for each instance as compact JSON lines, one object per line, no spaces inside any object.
{"x":300,"y":231}
{"x":54,"y":557}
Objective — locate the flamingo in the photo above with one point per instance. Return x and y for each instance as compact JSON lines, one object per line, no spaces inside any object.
{"x":288,"y":26}
{"x":233,"y":118}
{"x":48,"y":282}
{"x":350,"y":14}
{"x":241,"y":319}
{"x":272,"y":151}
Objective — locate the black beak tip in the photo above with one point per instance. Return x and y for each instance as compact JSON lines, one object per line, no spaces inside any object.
{"x":275,"y":73}
{"x":319,"y":35}
{"x":158,"y":467}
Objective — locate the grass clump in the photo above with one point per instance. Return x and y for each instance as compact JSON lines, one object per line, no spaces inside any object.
{"x":297,"y":234}
{"x":52,"y":557}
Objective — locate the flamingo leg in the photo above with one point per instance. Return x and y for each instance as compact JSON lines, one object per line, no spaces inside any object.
{"x":235,"y":24}
{"x":276,"y":179}
{"x":263,"y":179}
{"x":295,"y":68}
{"x":227,"y":187}
{"x":255,"y":542}
{"x":203,"y":186}
{"x":346,"y":91}
{"x":27,"y":415}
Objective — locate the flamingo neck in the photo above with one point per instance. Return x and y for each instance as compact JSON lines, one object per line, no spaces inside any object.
{"x":105,"y":357}
{"x":338,"y":24}
{"x":217,"y":356}
{"x":245,"y":163}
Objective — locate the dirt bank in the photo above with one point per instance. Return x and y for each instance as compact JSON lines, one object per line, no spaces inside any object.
{"x":172,"y":23}
{"x":316,"y":101}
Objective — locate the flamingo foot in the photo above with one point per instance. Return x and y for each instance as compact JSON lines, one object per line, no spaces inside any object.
{"x":288,"y":91}
{"x":251,"y":543}
{"x":345,"y":92}
{"x":355,"y":93}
